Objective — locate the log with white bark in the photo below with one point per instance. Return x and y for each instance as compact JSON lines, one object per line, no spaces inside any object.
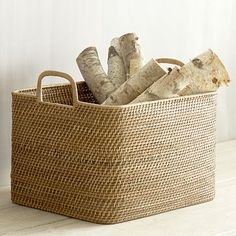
{"x":94,"y":75}
{"x":131,"y":53}
{"x":136,"y":84}
{"x":139,"y":82}
{"x":205,"y":73}
{"x":116,"y":70}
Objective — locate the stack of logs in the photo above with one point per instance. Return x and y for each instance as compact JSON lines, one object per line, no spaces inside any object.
{"x":129,"y":80}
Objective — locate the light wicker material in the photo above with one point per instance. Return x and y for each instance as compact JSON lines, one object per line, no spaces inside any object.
{"x":111,"y":164}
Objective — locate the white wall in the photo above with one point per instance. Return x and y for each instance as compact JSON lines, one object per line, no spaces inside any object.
{"x":48,"y":34}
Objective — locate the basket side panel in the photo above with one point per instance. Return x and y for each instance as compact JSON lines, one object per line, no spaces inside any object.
{"x":170,"y":147}
{"x":63,"y":158}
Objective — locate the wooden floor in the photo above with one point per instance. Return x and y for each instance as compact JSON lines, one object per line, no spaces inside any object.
{"x":216,"y":218}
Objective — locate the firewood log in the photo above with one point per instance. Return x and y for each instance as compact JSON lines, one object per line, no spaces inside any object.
{"x":116,"y":69}
{"x":140,"y":81}
{"x":94,"y":75}
{"x":131,"y":53}
{"x":205,"y":73}
{"x":136,"y":84}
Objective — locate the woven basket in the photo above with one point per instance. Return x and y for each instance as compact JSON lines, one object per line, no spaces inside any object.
{"x":108,"y":164}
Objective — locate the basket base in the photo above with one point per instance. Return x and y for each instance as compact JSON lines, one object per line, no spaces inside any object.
{"x":114,"y":220}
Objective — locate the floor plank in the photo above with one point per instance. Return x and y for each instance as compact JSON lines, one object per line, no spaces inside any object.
{"x":216,"y":218}
{"x":225,"y":160}
{"x":5,"y":199}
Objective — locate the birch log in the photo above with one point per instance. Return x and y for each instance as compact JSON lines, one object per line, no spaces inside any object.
{"x":131,"y":53}
{"x":116,"y":68}
{"x":136,"y":84}
{"x":205,"y":73}
{"x":94,"y":75}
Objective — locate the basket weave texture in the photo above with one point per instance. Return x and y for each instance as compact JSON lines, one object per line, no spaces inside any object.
{"x":111,"y":164}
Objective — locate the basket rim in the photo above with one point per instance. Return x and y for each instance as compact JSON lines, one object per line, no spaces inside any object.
{"x":20,"y":92}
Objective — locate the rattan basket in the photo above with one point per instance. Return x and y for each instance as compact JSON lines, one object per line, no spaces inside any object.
{"x":108,"y":164}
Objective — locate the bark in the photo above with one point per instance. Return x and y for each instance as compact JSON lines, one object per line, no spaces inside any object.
{"x":136,"y":84}
{"x":94,"y":75}
{"x":131,"y":53}
{"x":116,"y":69}
{"x":205,"y":73}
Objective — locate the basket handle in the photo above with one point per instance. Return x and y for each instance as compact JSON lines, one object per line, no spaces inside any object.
{"x":57,"y":74}
{"x":170,"y":61}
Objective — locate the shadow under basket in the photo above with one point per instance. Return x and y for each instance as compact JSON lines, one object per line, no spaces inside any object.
{"x":109,"y":164}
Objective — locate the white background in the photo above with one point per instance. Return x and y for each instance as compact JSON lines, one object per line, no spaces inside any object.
{"x":36,"y":35}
